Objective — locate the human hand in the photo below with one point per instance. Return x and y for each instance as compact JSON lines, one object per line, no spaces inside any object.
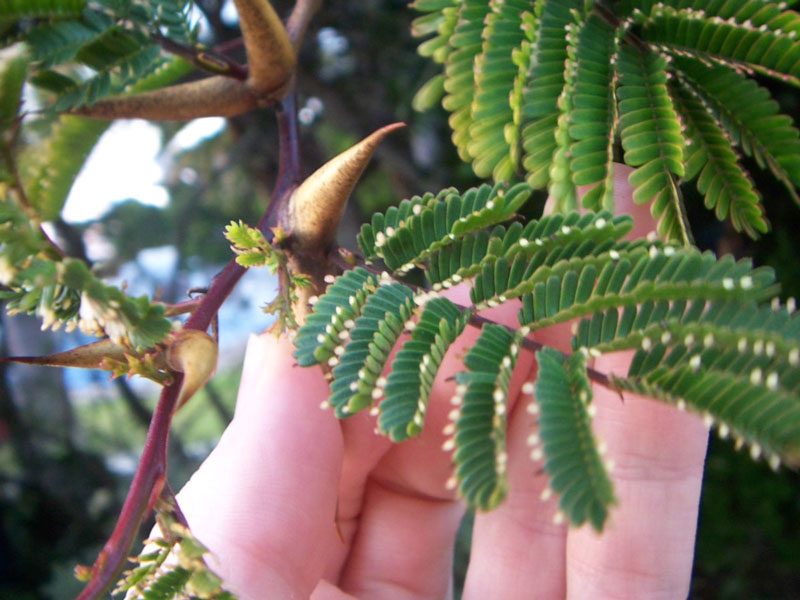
{"x":293,"y":503}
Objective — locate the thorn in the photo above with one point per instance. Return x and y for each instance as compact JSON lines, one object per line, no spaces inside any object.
{"x":270,"y":54}
{"x":217,"y":96}
{"x":316,"y":207}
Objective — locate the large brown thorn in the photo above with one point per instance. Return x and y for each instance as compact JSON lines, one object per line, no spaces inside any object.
{"x":270,"y":55}
{"x":316,"y":207}
{"x":216,"y":96}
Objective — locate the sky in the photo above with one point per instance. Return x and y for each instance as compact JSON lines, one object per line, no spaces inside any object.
{"x":105,"y":179}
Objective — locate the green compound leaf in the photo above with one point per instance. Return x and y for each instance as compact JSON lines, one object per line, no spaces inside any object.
{"x":64,"y":292}
{"x":628,"y":277}
{"x":572,"y":459}
{"x":408,"y":387}
{"x":764,"y":50}
{"x":593,"y":121}
{"x":490,"y":140}
{"x":652,"y":139}
{"x":749,"y":391}
{"x":466,"y":43}
{"x":359,"y":363}
{"x":544,"y":84}
{"x":546,"y":90}
{"x":334,"y":314}
{"x":50,"y":169}
{"x":480,"y":427}
{"x":12,"y":10}
{"x":750,"y":118}
{"x":406,"y":235}
{"x":12,"y":78}
{"x":56,"y":42}
{"x":56,"y":165}
{"x":168,"y":586}
{"x":712,"y":159}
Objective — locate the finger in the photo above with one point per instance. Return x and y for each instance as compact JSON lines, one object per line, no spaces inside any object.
{"x":363,"y":449}
{"x":264,"y":501}
{"x":646,"y":549}
{"x":404,"y":544}
{"x":517,"y":549}
{"x":325,"y":590}
{"x":643,"y":222}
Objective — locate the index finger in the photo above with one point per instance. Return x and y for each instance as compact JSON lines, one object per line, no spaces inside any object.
{"x":264,"y":501}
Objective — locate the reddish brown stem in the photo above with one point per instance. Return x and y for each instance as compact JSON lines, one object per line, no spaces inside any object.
{"x":208,"y":60}
{"x":151,"y":472}
{"x":228,"y":45}
{"x":301,"y":16}
{"x":288,"y":164}
{"x":181,"y":308}
{"x":145,"y":488}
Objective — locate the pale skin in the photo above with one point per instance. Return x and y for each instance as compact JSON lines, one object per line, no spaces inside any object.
{"x":287,"y":479}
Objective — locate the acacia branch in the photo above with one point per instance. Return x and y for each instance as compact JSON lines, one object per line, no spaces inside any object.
{"x":147,"y":484}
{"x":302,"y":13}
{"x":267,"y":78}
{"x":347,"y":260}
{"x":208,"y":60}
{"x":150,"y":477}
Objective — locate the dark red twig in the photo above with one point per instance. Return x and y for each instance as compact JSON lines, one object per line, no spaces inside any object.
{"x":205,"y":59}
{"x":150,"y":477}
{"x":144,"y":491}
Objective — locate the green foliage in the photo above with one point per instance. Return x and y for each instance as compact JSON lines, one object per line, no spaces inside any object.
{"x":81,"y":53}
{"x":480,"y":420}
{"x":593,"y":121}
{"x":13,"y":10}
{"x":12,"y":78}
{"x":745,"y":111}
{"x":651,"y":136}
{"x":50,"y":168}
{"x":549,"y":92}
{"x":54,"y":167}
{"x":576,"y":469}
{"x":407,"y":390}
{"x":158,"y":577}
{"x":250,"y":246}
{"x":666,"y":80}
{"x":359,"y":363}
{"x":698,"y":323}
{"x":253,"y":250}
{"x":62,"y":291}
{"x":411,"y":232}
{"x":713,"y":161}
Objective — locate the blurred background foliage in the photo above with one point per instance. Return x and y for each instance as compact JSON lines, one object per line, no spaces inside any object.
{"x":68,"y":444}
